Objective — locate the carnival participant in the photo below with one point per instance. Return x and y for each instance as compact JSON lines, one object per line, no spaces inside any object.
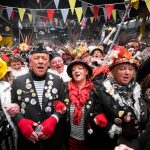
{"x":16,"y":63}
{"x":8,"y":133}
{"x":39,"y":96}
{"x":97,"y":56}
{"x":58,"y":67}
{"x":120,"y":98}
{"x":82,"y":131}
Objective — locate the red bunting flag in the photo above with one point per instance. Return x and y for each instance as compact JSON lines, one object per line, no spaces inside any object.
{"x":50,"y":13}
{"x":109,"y":8}
{"x":95,"y":11}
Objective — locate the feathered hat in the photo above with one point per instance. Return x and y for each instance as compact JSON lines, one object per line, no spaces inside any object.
{"x":120,"y":55}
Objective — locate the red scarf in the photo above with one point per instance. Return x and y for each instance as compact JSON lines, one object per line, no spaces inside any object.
{"x":78,"y":98}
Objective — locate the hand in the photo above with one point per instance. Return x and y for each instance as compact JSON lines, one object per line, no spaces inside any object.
{"x":12,"y":109}
{"x":26,"y":128}
{"x":101,"y":120}
{"x":114,"y":130}
{"x":48,"y":128}
{"x":123,"y":147}
{"x":59,"y":107}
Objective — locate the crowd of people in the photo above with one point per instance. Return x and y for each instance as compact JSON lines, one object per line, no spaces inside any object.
{"x":93,"y":100}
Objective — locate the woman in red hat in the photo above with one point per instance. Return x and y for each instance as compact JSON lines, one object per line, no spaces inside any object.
{"x":120,"y":98}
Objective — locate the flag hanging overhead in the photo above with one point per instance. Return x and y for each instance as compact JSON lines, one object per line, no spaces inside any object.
{"x":50,"y":13}
{"x":109,"y":8}
{"x":72,"y":5}
{"x":21,"y":13}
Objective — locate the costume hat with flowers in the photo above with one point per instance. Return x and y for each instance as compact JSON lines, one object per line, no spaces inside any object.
{"x":119,"y":55}
{"x":3,"y":68}
{"x":78,"y":61}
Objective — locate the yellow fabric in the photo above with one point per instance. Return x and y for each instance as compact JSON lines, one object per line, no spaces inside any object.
{"x":7,"y":41}
{"x":135,"y":3}
{"x":3,"y":68}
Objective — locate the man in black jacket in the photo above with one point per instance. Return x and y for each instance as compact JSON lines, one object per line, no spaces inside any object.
{"x":39,"y":95}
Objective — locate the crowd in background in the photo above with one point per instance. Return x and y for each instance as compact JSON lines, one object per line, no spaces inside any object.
{"x":104,"y":97}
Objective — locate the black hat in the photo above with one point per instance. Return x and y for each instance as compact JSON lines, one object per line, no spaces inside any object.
{"x":53,"y":55}
{"x":40,"y":48}
{"x":143,"y":70}
{"x":97,"y":49}
{"x":79,"y":61}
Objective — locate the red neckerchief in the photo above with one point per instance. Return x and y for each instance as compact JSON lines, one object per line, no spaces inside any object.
{"x":78,"y":98}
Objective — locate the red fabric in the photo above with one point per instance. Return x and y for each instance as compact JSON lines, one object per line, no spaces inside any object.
{"x":76,"y":144}
{"x":49,"y":126}
{"x":79,"y":98}
{"x":101,"y":120}
{"x":59,"y":107}
{"x":25,"y":126}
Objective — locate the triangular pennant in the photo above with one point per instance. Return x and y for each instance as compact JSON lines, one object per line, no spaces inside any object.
{"x":38,"y":1}
{"x":91,"y":19}
{"x":109,"y":8}
{"x":135,"y":3}
{"x":1,"y":10}
{"x":84,"y":7}
{"x":64,"y":13}
{"x":79,"y":12}
{"x":148,"y":4}
{"x":105,"y":15}
{"x":56,"y":3}
{"x":114,"y":14}
{"x":95,"y":11}
{"x":21,"y":13}
{"x":50,"y":13}
{"x":9,"y":11}
{"x":12,"y":15}
{"x":34,"y":14}
{"x":72,"y":5}
{"x":30,"y":17}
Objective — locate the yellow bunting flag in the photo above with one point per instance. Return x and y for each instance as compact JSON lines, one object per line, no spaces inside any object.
{"x":114,"y":14}
{"x":30,"y":17}
{"x":72,"y":5}
{"x":79,"y":12}
{"x":21,"y":13}
{"x":135,"y":3}
{"x":91,"y":19}
{"x":148,"y":4}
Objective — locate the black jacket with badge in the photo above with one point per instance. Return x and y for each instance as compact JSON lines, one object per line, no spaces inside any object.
{"x":120,"y":114}
{"x":24,"y":93}
{"x":95,"y":137}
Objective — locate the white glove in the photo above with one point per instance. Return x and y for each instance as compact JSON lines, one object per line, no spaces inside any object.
{"x":114,"y":130}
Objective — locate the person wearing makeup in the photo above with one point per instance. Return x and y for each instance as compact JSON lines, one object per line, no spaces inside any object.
{"x":83,"y":133}
{"x":39,"y":95}
{"x":120,"y":98}
{"x":58,"y":67}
